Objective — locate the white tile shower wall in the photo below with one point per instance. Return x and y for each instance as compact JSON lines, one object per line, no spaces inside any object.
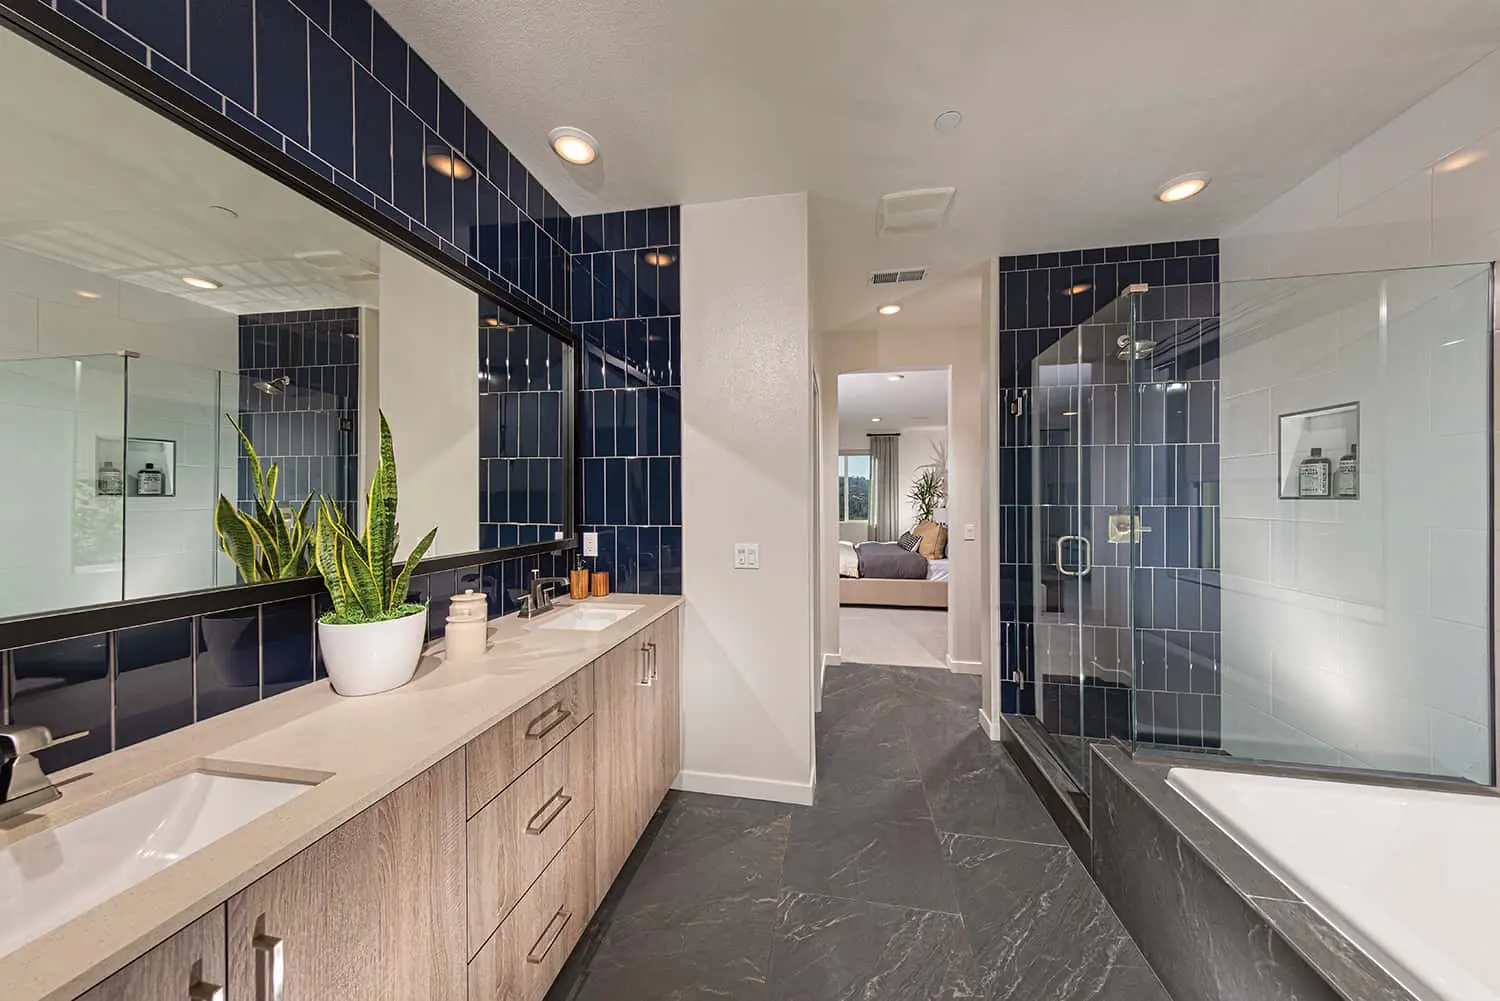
{"x":1355,"y":631}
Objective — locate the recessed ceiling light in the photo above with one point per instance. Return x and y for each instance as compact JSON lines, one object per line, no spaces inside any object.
{"x":207,"y":284}
{"x":491,"y":321}
{"x":894,"y":378}
{"x":1078,"y":289}
{"x":1458,"y":161}
{"x":84,"y":293}
{"x":446,"y":162}
{"x":573,"y":145}
{"x":874,"y":420}
{"x":1070,"y":413}
{"x":657,"y":258}
{"x":890,"y":309}
{"x":948,"y":121}
{"x":1182,"y":188}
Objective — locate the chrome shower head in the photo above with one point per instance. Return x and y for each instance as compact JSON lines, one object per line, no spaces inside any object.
{"x":273,"y":387}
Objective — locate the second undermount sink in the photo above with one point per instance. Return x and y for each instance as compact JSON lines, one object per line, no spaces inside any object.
{"x":51,"y":877}
{"x":590,"y":618}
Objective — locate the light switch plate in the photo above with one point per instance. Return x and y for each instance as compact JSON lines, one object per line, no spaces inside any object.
{"x":970,"y":533}
{"x":747,"y":555}
{"x":591,"y":543}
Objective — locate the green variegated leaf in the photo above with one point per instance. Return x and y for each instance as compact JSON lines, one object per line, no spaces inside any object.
{"x":358,"y":579}
{"x":403,"y":580}
{"x":326,"y":556}
{"x":376,"y":528}
{"x":235,"y":539}
{"x":255,"y":468}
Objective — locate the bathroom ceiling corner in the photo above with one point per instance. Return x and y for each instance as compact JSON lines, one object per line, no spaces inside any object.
{"x":1074,"y":113}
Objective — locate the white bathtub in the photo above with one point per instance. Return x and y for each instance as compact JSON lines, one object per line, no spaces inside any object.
{"x":1412,"y":877}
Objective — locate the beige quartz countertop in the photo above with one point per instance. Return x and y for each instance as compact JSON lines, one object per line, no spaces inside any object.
{"x":367,"y":747}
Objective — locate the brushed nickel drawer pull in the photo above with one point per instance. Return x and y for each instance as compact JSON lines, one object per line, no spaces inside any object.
{"x":550,"y":935}
{"x":537,"y":824}
{"x":270,"y":967}
{"x":654,"y":673}
{"x":204,"y":991}
{"x":645,"y":665}
{"x":561,"y":717}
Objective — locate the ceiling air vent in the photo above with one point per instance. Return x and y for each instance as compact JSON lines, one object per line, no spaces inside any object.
{"x":900,"y":277}
{"x":919,"y":211}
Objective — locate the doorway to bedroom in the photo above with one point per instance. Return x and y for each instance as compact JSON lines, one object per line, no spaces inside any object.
{"x":891,"y":489}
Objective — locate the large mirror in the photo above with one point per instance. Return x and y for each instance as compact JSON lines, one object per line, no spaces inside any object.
{"x":155,"y":291}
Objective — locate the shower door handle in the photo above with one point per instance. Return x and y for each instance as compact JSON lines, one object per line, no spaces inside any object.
{"x":1087,"y":549}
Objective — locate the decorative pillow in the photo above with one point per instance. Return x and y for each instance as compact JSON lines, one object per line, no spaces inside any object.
{"x":934,"y":544}
{"x":909,"y":542}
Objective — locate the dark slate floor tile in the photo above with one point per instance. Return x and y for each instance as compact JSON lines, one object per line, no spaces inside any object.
{"x":930,"y":685}
{"x":872,"y":840}
{"x":972,"y":784}
{"x":827,"y":948}
{"x":1040,"y":928}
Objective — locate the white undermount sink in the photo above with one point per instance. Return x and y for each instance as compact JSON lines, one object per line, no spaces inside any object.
{"x":590,"y":618}
{"x":50,"y":878}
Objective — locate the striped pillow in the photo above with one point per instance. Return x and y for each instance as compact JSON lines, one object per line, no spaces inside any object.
{"x":909,"y":542}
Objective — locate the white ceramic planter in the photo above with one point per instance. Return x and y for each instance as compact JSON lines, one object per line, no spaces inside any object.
{"x":372,"y":656}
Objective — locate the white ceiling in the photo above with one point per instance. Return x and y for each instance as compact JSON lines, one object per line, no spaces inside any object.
{"x":91,"y":178}
{"x":918,"y":400}
{"x":1075,"y":111}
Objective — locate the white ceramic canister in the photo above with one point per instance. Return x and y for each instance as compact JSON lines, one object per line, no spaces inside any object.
{"x":468,"y":627}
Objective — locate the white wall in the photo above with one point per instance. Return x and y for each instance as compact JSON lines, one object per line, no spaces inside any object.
{"x":913,"y":453}
{"x":748,"y":460}
{"x":429,"y":390}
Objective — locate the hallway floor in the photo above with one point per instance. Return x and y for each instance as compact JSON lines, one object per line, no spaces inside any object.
{"x":899,"y":637}
{"x":927,"y":869}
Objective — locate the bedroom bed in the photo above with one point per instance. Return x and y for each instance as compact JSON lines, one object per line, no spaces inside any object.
{"x":874,"y":574}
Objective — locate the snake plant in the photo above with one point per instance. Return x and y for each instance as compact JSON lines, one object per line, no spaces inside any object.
{"x":272,"y":542}
{"x":359,"y":570}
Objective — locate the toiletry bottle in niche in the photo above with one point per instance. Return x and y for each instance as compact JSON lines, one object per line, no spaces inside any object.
{"x":150,"y":482}
{"x":1346,"y":479}
{"x":111,"y":480}
{"x":1315,"y":475}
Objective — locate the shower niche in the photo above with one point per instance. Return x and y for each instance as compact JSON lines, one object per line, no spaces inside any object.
{"x":136,"y":467}
{"x":1318,"y":453}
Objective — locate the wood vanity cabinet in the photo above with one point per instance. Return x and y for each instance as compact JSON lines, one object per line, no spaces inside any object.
{"x":189,"y":966}
{"x":373,"y":911}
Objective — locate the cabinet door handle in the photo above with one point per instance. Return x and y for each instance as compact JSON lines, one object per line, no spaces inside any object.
{"x":550,"y":935}
{"x":645,"y":664}
{"x":270,"y":967}
{"x":558,"y":720}
{"x":542,"y":819}
{"x":654,"y":672}
{"x":203,"y":991}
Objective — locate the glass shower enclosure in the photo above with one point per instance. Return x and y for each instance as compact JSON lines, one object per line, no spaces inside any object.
{"x":1264,"y":532}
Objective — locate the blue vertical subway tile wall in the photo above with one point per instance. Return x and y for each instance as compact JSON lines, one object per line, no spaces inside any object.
{"x":1069,"y":421}
{"x":309,"y":426}
{"x":336,"y":87}
{"x":626,"y":311}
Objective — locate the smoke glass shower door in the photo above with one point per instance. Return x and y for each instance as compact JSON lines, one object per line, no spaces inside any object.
{"x":1080,"y":426}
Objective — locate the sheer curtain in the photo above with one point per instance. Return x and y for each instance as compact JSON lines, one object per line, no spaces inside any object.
{"x":885,"y":487}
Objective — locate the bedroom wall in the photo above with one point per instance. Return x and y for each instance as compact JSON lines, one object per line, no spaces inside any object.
{"x":914,"y":454}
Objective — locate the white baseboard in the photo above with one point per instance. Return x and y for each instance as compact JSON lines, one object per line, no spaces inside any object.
{"x":965,"y":666}
{"x":990,"y":726}
{"x":774,"y":790}
{"x":832,"y":659}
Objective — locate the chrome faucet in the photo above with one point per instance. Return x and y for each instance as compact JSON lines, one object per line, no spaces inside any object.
{"x":23,"y":784}
{"x":539,"y":599}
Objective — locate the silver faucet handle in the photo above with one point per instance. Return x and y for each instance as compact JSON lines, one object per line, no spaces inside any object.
{"x":30,"y":739}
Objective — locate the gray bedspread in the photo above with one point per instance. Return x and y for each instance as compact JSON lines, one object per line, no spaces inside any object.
{"x":888,"y":561}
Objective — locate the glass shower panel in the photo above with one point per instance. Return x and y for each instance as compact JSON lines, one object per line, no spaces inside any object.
{"x":1331,"y":604}
{"x":62,"y":523}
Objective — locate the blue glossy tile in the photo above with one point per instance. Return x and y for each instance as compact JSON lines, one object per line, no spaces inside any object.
{"x":658,"y":227}
{"x":604,"y":417}
{"x":439,"y":217}
{"x":466,"y":212}
{"x":421,"y":89}
{"x":287,"y":645}
{"x":590,"y":234}
{"x":593,"y":491}
{"x":550,"y":424}
{"x":670,"y":559}
{"x":676,"y":491}
{"x":636,"y":229}
{"x":671,"y":422}
{"x":530,"y":417}
{"x":648,"y":561}
{"x":648,"y":269}
{"x":498,"y":471}
{"x":220,"y":51}
{"x":161,"y":24}
{"x":154,"y":685}
{"x":316,"y":11}
{"x":658,"y":350}
{"x":450,"y":124}
{"x":510,"y":409}
{"x":648,"y":422}
{"x":510,"y":241}
{"x":440,"y":587}
{"x":614,"y":350}
{"x":280,"y":42}
{"x":408,"y":170}
{"x":477,"y":142}
{"x":372,"y":134}
{"x":488,"y":224}
{"x":669,"y":280}
{"x":627,"y":561}
{"x":558,"y":503}
{"x":228,"y":660}
{"x":660,"y":477}
{"x":581,"y":309}
{"x":614,"y":231}
{"x":351,"y":23}
{"x":389,"y":57}
{"x":603,"y":271}
{"x":331,"y":73}
{"x":516,"y":180}
{"x":194,"y":88}
{"x":625,"y":422}
{"x":616,"y":491}
{"x":64,"y":686}
{"x":625,"y":283}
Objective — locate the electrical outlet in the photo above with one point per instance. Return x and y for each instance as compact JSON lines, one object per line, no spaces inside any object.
{"x":747,"y":555}
{"x":591,"y":543}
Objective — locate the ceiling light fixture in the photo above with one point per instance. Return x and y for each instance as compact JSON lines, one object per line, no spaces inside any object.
{"x":894,"y":378}
{"x":1078,"y":289}
{"x":573,"y":145}
{"x":1458,"y":161}
{"x":1182,"y":188}
{"x":84,"y":293}
{"x":207,"y":284}
{"x":948,"y":121}
{"x":657,"y":258}
{"x":874,"y":420}
{"x":1070,"y":413}
{"x":491,"y":321}
{"x":890,"y":309}
{"x":446,"y":162}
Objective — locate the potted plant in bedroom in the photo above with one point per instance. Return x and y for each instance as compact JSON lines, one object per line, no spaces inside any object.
{"x":372,"y":637}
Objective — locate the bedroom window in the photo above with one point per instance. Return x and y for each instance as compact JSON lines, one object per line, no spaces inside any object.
{"x":854,"y":486}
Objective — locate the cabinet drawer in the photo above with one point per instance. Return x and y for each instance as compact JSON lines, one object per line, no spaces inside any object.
{"x":510,"y":747}
{"x":524,"y":957}
{"x":513,"y":838}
